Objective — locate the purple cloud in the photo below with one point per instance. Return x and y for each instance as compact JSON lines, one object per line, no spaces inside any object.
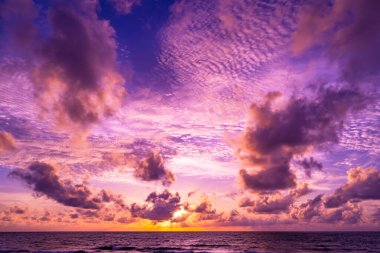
{"x":349,"y":31}
{"x":274,"y":203}
{"x":19,"y":19}
{"x":204,"y":211}
{"x":343,"y":204}
{"x":276,"y":136}
{"x":73,"y":65}
{"x":363,"y":184}
{"x":152,"y":168}
{"x":158,"y":207}
{"x":309,"y":165}
{"x":315,"y":211}
{"x":42,"y":178}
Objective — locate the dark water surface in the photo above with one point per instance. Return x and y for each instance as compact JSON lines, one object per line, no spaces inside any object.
{"x":190,"y":242}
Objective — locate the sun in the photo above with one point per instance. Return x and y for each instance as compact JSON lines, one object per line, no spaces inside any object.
{"x":179,"y":213}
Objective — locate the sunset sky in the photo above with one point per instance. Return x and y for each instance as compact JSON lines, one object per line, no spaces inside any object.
{"x":189,"y":115}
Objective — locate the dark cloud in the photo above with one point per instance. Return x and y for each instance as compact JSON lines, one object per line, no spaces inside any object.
{"x":147,"y":161}
{"x":43,"y":179}
{"x":74,"y":216}
{"x":105,"y":196}
{"x":268,"y":204}
{"x":153,"y":168}
{"x":309,"y":165}
{"x":89,"y":214}
{"x":158,"y":207}
{"x":191,"y":193}
{"x":271,"y":179}
{"x":45,"y":218}
{"x":17,"y":210}
{"x":246,"y":202}
{"x":13,"y":214}
{"x":274,"y":203}
{"x":348,"y":34}
{"x":343,"y":205}
{"x":348,"y":29}
{"x":315,"y":211}
{"x":276,"y":136}
{"x":18,"y":17}
{"x":309,"y":209}
{"x":73,"y":65}
{"x":7,"y":142}
{"x":362,"y":184}
{"x":349,"y":214}
{"x":204,"y":211}
{"x":205,"y":207}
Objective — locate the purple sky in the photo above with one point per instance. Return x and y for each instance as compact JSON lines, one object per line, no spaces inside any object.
{"x":189,"y":115}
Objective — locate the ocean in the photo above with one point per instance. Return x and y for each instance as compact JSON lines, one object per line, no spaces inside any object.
{"x":267,"y":242}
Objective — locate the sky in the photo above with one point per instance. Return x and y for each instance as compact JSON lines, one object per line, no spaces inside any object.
{"x":135,"y":115}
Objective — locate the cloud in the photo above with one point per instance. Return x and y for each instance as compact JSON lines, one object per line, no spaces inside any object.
{"x":7,"y":142}
{"x":205,"y":59}
{"x":109,"y":217}
{"x":274,"y":203}
{"x":342,"y":205}
{"x":124,"y":220}
{"x":269,"y":204}
{"x":204,"y":211}
{"x":191,"y":193}
{"x":309,"y":165}
{"x":302,"y":190}
{"x":17,"y":210}
{"x":73,"y":66}
{"x":314,"y":211}
{"x":362,"y":184}
{"x":74,"y":216}
{"x":46,"y":217}
{"x":275,"y":137}
{"x":19,"y":17}
{"x":124,"y":6}
{"x":43,"y":179}
{"x":89,"y":214}
{"x":309,"y":209}
{"x":348,"y":30}
{"x":147,"y":162}
{"x":14,"y":214}
{"x":153,"y":168}
{"x":107,"y":197}
{"x":158,"y":207}
{"x":205,"y":207}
